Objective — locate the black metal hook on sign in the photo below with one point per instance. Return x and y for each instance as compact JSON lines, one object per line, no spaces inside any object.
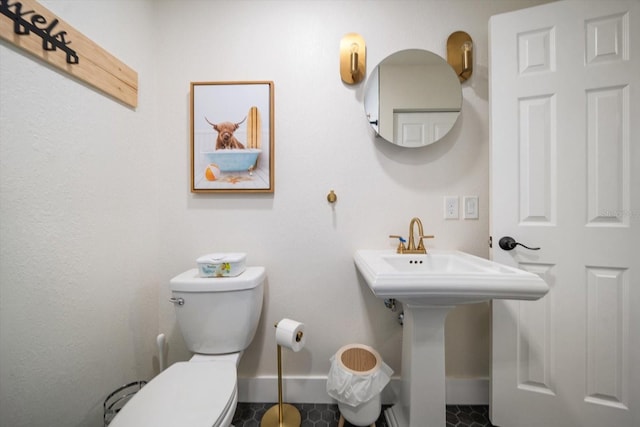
{"x":507,"y":243}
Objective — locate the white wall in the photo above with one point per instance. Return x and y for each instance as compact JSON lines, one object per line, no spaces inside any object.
{"x":96,"y":213}
{"x":78,"y":226}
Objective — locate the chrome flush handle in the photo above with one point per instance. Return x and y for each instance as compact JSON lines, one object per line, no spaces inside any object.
{"x":178,"y":301}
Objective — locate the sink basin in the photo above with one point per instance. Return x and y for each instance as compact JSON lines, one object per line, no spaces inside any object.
{"x":429,"y":286}
{"x":444,"y":278}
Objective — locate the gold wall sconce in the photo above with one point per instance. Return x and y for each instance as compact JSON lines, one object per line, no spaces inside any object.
{"x":460,"y":54}
{"x":353,"y":58}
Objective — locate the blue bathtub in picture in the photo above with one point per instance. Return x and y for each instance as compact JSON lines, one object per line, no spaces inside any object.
{"x":234,"y":160}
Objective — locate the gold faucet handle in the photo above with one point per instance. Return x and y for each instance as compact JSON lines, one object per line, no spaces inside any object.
{"x":401,"y":248}
{"x":421,"y":243}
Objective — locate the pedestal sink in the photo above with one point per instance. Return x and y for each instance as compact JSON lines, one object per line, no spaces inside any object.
{"x":429,"y":286}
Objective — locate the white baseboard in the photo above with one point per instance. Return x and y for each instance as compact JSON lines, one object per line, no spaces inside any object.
{"x":460,"y":391}
{"x":467,"y":391}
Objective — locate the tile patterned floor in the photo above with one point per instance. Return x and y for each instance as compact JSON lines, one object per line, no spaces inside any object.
{"x":321,"y":415}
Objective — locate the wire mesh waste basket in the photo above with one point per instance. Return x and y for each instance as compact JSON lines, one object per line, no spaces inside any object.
{"x":118,"y":398}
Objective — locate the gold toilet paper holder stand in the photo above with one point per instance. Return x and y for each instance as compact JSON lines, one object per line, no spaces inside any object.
{"x":282,"y":414}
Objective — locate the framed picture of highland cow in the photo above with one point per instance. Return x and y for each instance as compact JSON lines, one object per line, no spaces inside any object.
{"x":232,"y":137}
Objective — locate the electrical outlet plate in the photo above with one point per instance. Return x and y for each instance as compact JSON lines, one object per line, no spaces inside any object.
{"x":470,"y":206}
{"x":451,"y":207}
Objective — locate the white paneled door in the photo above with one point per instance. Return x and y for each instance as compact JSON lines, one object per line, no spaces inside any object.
{"x":565,"y":153}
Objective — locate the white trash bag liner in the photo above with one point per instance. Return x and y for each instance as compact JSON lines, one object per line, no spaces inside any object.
{"x":357,"y":374}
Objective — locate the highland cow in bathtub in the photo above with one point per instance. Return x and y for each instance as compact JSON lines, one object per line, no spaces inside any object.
{"x":226,"y":139}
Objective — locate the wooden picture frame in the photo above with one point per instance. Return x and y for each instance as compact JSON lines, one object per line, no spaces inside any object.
{"x":232,"y":137}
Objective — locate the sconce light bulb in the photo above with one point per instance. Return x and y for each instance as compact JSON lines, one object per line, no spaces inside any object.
{"x":466,"y":54}
{"x":354,"y":59}
{"x":354,"y":63}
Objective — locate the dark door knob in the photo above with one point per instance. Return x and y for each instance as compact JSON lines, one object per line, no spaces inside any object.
{"x":507,"y":243}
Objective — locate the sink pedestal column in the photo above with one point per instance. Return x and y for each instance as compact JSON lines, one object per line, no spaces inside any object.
{"x":423,"y":390}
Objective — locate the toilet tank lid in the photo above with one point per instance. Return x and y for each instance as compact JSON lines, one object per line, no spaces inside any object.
{"x":190,"y":281}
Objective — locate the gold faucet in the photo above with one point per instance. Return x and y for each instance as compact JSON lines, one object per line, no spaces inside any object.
{"x":420,"y":249}
{"x":412,"y":249}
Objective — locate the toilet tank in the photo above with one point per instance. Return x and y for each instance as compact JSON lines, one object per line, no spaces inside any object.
{"x":218,"y":315}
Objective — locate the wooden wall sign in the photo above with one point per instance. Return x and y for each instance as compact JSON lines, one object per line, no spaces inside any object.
{"x":31,"y":27}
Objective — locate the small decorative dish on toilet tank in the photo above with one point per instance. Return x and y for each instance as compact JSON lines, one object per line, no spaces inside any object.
{"x":221,"y":264}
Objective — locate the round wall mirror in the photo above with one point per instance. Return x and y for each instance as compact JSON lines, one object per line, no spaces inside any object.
{"x":413,"y":98}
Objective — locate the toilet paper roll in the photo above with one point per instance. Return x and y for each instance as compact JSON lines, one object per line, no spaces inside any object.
{"x":290,"y":334}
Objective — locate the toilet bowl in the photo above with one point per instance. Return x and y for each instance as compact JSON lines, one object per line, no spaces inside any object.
{"x":185,"y":394}
{"x":218,"y":318}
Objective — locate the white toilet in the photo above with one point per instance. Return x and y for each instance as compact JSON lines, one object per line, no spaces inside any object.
{"x":218,"y":318}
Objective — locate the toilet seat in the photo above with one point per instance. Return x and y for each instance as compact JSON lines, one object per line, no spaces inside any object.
{"x":190,"y":394}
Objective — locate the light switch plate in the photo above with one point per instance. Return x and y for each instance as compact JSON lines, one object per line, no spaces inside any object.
{"x":470,"y":204}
